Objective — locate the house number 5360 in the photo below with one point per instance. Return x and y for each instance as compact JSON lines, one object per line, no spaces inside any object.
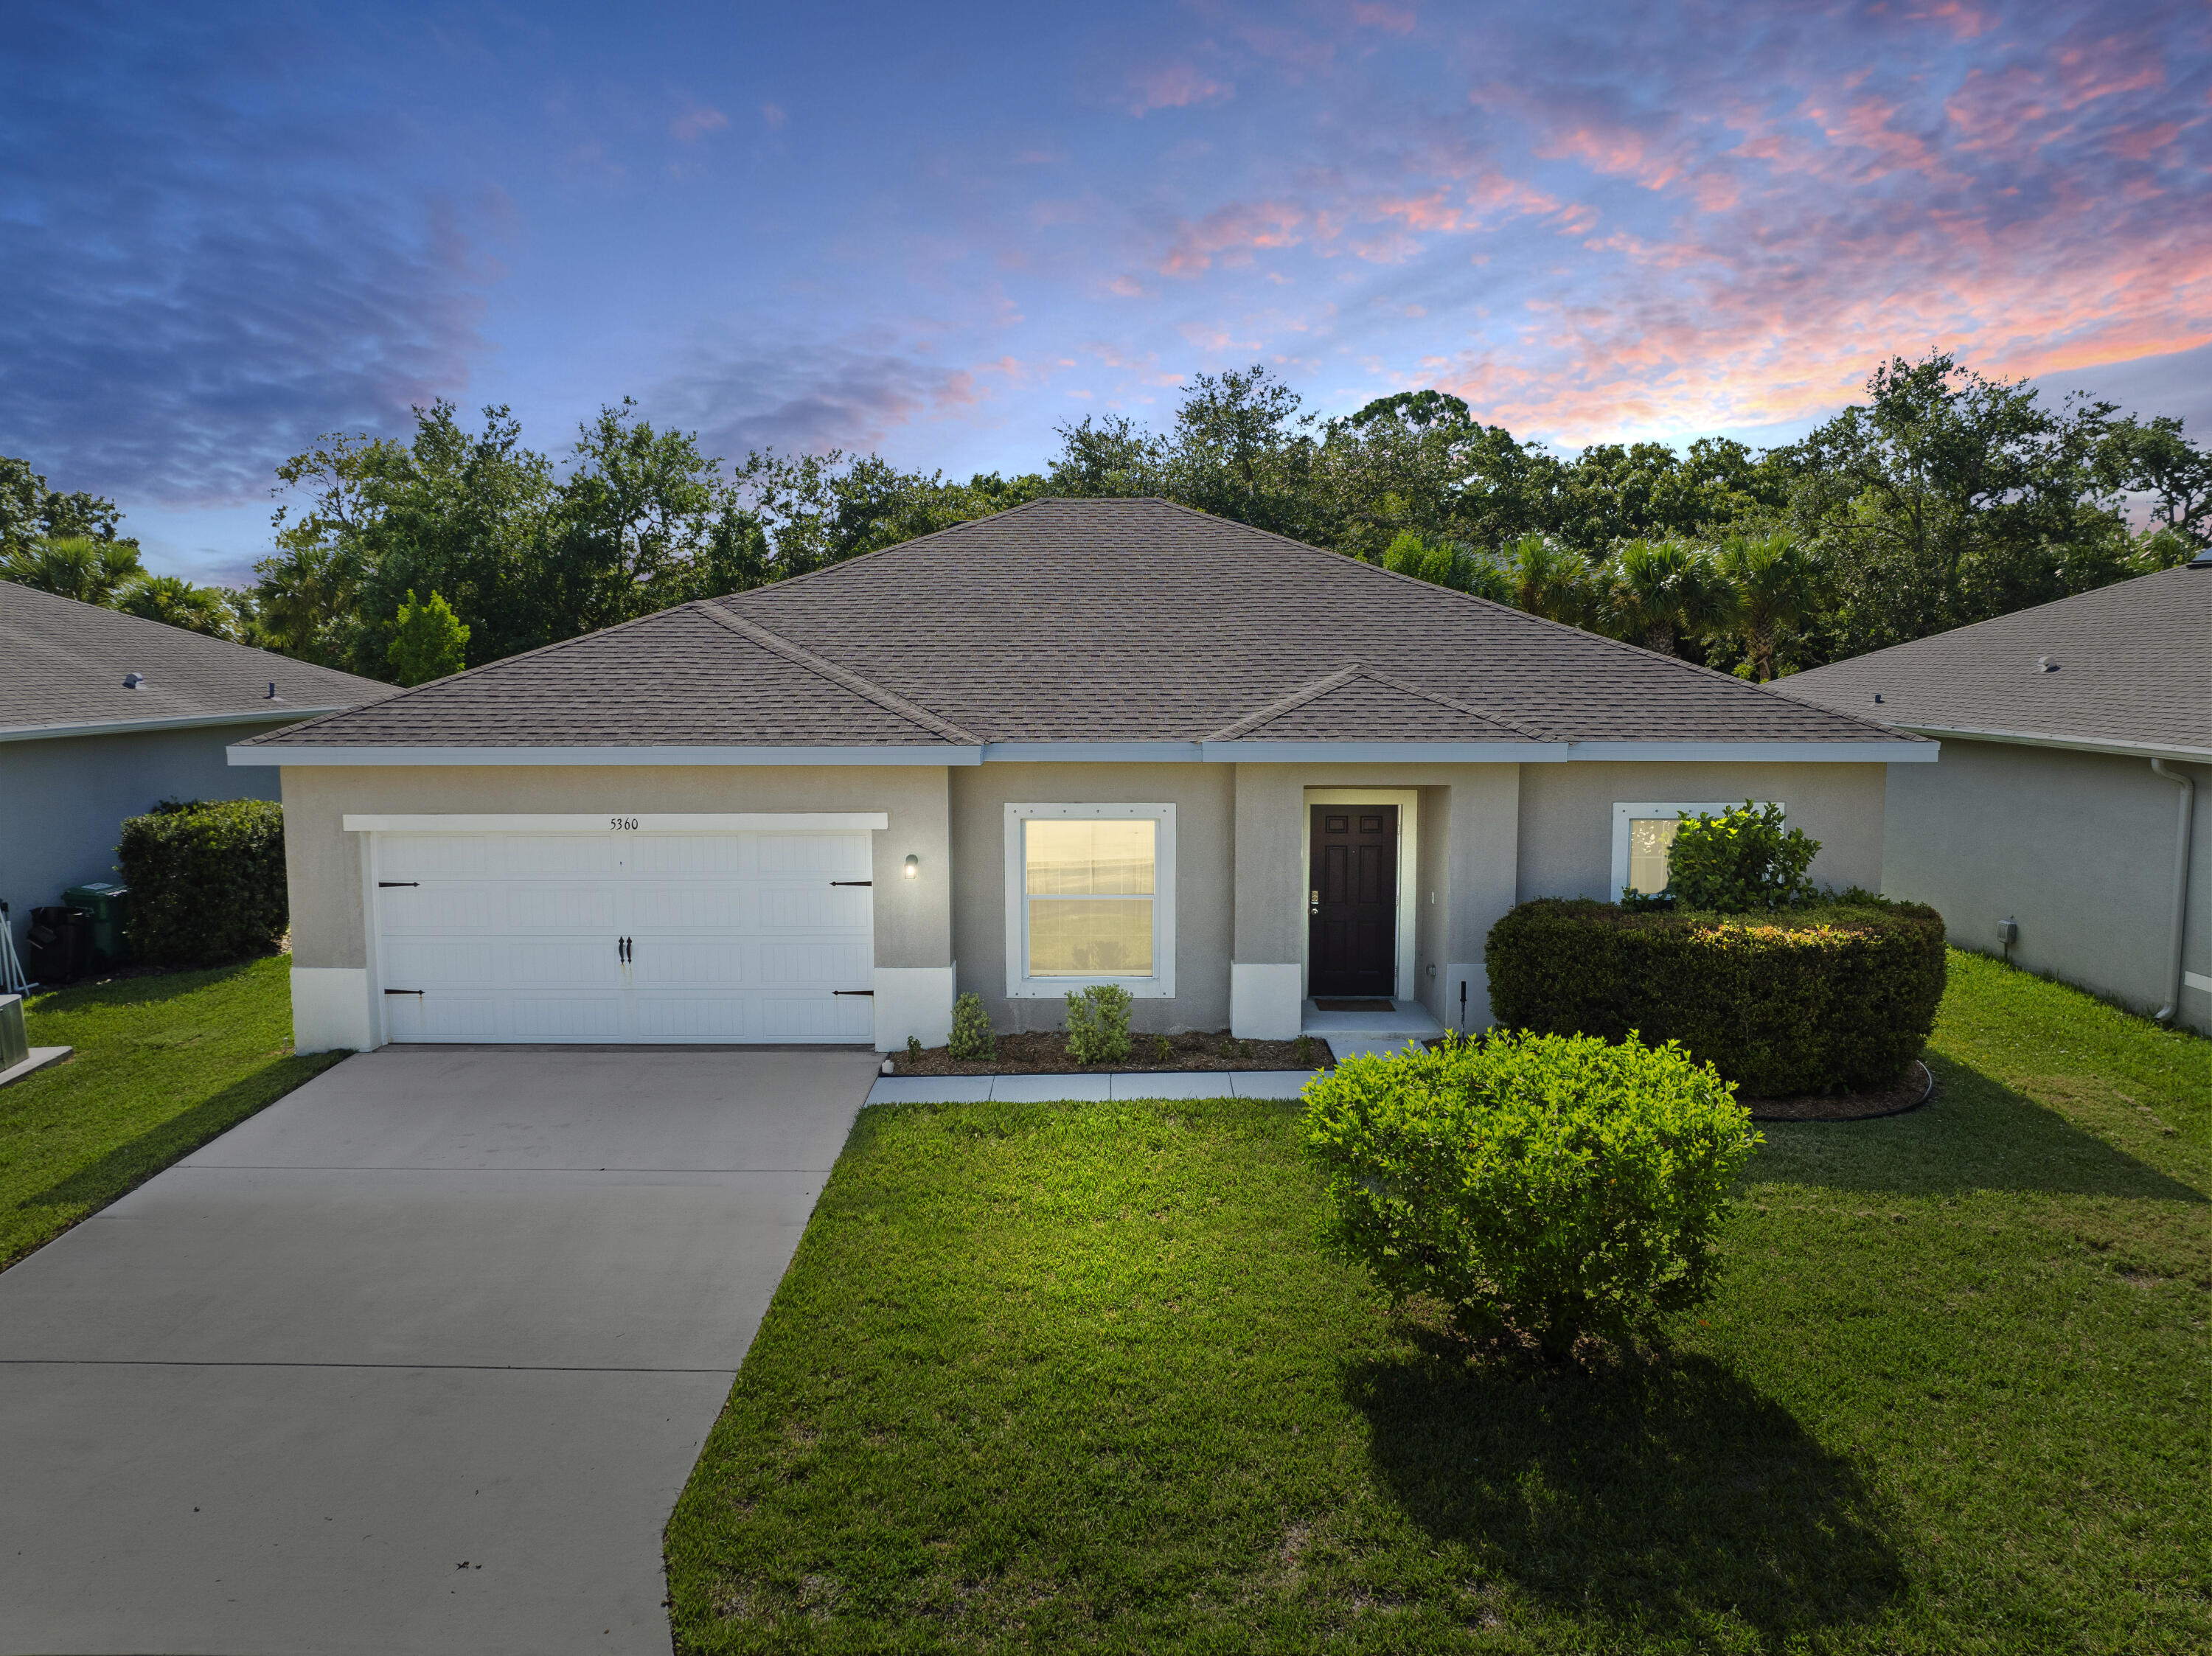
{"x":619,"y":823}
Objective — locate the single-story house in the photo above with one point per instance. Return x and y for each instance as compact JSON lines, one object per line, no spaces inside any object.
{"x":1078,"y":741}
{"x":102,"y":714}
{"x":2063,"y":828}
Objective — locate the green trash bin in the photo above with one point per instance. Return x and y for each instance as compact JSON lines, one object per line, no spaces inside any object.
{"x":109,"y":907}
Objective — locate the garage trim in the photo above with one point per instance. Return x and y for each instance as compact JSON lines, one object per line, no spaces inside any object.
{"x":622,"y":822}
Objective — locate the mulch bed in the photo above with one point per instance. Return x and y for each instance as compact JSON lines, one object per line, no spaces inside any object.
{"x":1045,"y":1053}
{"x":1911,"y":1089}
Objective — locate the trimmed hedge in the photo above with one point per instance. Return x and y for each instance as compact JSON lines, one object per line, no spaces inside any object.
{"x":1557,"y":1186}
{"x":206,"y":879}
{"x":1839,"y":995}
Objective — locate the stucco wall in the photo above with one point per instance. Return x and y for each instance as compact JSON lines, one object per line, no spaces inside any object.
{"x":62,"y":801}
{"x":913,"y":917}
{"x":1206,"y":863}
{"x":2076,"y":847}
{"x":1567,"y":817}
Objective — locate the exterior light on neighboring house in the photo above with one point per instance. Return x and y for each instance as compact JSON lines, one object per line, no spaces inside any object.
{"x":913,"y":869}
{"x":132,"y":680}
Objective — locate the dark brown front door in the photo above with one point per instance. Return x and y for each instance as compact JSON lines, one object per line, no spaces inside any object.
{"x":1352,"y":940}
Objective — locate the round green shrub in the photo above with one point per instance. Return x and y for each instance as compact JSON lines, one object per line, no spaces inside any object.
{"x":206,"y":879}
{"x":1841,"y":996}
{"x":1743,"y":861}
{"x":1554,"y":1185}
{"x":972,"y":1040}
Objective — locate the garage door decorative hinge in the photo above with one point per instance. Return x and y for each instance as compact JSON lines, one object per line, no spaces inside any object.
{"x":851,"y":882}
{"x":869,"y":992}
{"x":385,"y":885}
{"x":403,"y":991}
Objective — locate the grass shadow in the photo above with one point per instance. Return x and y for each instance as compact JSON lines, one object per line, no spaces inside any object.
{"x":151,"y":990}
{"x":130,"y":1164}
{"x":1670,"y":1495}
{"x":1976,"y":1133}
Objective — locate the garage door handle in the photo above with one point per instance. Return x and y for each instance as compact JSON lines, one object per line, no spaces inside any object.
{"x":386,"y":885}
{"x":851,"y":882}
{"x":403,"y":991}
{"x":622,"y":949}
{"x":854,"y":991}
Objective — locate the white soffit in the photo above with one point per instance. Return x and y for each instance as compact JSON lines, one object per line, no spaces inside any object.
{"x":623,"y":822}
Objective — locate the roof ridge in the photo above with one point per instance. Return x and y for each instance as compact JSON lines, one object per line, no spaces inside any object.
{"x":404,"y":690}
{"x":1320,"y":687}
{"x":845,"y":678}
{"x":1285,"y":704}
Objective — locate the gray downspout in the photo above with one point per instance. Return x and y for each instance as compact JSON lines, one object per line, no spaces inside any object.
{"x":2167,"y":1013}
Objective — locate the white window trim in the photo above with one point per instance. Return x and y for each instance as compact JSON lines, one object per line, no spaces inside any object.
{"x":1158,"y":987}
{"x":1624,"y":812}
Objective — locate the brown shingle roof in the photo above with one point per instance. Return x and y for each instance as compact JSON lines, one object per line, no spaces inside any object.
{"x":2131,"y":663}
{"x":63,"y":665}
{"x":1088,"y":621}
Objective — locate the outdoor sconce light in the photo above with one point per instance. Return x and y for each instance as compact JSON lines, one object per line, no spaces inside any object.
{"x":913,"y":869}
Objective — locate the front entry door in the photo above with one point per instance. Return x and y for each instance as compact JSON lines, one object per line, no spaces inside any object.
{"x":1352,"y":935}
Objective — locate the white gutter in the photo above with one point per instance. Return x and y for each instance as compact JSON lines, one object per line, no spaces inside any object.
{"x":2071,"y":744}
{"x":2180,"y":924}
{"x":301,"y":754}
{"x":269,"y":713}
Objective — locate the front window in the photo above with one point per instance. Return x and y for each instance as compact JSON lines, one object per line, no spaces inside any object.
{"x":1090,"y":898}
{"x":1090,"y":888}
{"x":1643,"y":840}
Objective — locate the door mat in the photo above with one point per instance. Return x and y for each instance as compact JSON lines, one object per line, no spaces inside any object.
{"x":1352,"y":1003}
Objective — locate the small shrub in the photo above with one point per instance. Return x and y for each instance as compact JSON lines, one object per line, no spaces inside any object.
{"x":1742,"y":862}
{"x":1841,"y":996}
{"x":1098,"y":1024}
{"x":207,"y":880}
{"x":1552,"y":1186}
{"x":1302,"y":1052}
{"x":1162,"y":1049}
{"x":972,"y":1040}
{"x":913,"y":1049}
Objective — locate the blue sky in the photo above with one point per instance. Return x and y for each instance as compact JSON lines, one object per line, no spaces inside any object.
{"x":940,"y":233}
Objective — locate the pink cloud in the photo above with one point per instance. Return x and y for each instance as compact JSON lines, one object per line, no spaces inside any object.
{"x":695,"y":123}
{"x":1230,"y":233}
{"x":1176,"y":86}
{"x":1391,"y":20}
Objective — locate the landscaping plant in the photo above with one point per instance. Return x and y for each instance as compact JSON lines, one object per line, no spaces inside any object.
{"x":1742,"y":862}
{"x":1843,"y":995}
{"x":1098,"y":1024}
{"x":206,"y":879}
{"x":1551,"y":1186}
{"x":972,"y":1040}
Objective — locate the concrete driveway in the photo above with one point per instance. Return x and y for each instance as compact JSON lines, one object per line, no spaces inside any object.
{"x":416,"y":1360}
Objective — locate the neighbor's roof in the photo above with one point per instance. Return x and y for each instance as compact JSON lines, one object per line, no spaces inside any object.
{"x":2126,"y":666}
{"x":63,"y":665}
{"x":1086,"y":622}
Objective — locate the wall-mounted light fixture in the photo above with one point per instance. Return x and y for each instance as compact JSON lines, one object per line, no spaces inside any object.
{"x":913,"y":869}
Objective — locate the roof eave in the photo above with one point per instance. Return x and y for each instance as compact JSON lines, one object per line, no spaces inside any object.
{"x":2113,"y":746}
{"x":280,"y":753}
{"x":264,"y":715}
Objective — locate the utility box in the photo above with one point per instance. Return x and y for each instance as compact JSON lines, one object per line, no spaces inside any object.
{"x":14,"y":1043}
{"x":109,"y":905}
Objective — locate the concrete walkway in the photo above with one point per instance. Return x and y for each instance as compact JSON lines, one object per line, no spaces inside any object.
{"x":415,"y":1361}
{"x":1096,"y":1089}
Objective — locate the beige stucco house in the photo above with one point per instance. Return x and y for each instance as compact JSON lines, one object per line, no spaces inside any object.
{"x":2063,"y":828}
{"x":1256,"y":783}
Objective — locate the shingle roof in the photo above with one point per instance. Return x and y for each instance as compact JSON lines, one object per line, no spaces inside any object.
{"x":1088,"y":621}
{"x":63,"y":665}
{"x":2131,"y":663}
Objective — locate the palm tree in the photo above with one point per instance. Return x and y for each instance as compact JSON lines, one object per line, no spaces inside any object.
{"x":1549,"y":579}
{"x":1776,"y":580}
{"x":179,"y":603}
{"x":76,"y":567}
{"x":1661,"y":590}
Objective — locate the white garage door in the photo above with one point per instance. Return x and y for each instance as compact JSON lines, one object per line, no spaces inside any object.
{"x":624,"y":936}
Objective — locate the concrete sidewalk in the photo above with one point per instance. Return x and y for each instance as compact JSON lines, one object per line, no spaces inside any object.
{"x":416,"y":1360}
{"x":1095,"y":1089}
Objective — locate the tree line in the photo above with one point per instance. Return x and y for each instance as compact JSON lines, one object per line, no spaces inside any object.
{"x":1946,"y":497}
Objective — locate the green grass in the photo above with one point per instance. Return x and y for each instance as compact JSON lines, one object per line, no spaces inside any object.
{"x":1078,"y":1377}
{"x":162,"y":1065}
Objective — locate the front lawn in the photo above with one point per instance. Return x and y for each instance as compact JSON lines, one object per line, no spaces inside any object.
{"x":163,"y":1064}
{"x":1076,"y":1376}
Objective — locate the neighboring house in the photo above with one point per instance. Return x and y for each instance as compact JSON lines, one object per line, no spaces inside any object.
{"x":2065,"y":824}
{"x":102,"y":714}
{"x":1081,"y":741}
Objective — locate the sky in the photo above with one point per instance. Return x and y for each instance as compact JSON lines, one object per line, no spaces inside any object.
{"x":941,"y":232}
